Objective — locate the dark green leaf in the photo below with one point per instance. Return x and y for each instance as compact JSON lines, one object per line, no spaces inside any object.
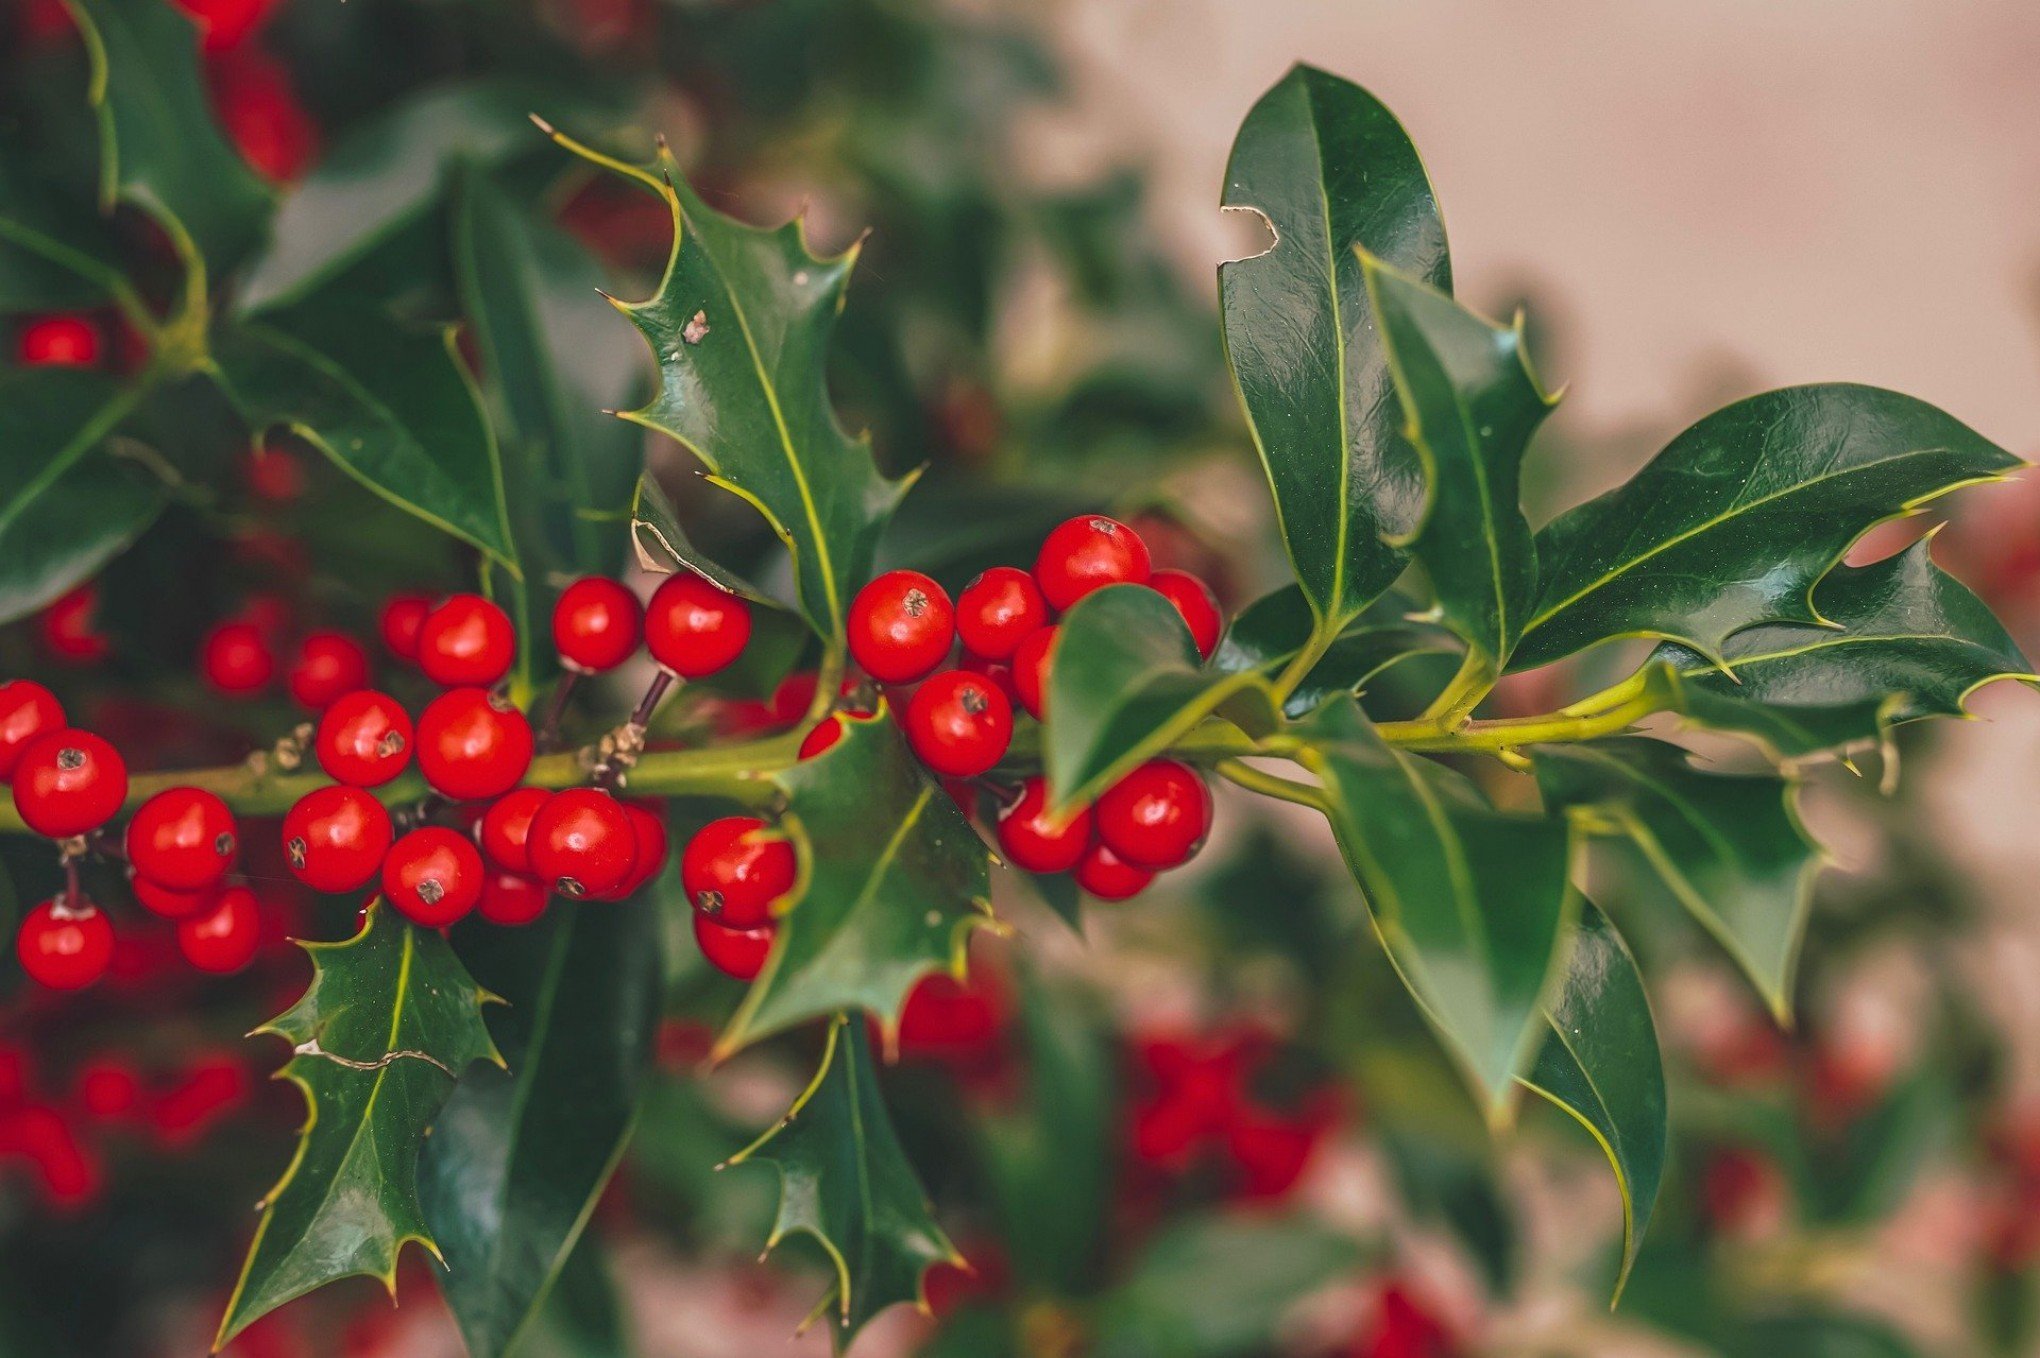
{"x":1729,"y":846}
{"x":845,"y":1181}
{"x":893,"y":880}
{"x":1269,"y":632}
{"x":1472,"y":904}
{"x":1329,"y":169}
{"x":55,"y":253}
{"x":1470,"y":403}
{"x":518,"y":1156}
{"x":583,"y":1315}
{"x":1601,"y":1065}
{"x":1126,"y":683}
{"x":1737,"y":520}
{"x":389,"y":1021}
{"x":663,"y":545}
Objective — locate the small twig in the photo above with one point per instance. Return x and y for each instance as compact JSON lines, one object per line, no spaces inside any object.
{"x":556,"y":709}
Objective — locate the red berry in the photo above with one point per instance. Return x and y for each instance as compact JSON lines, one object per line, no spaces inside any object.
{"x":648,"y":835}
{"x":69,"y":628}
{"x":582,"y":843}
{"x":161,"y":900}
{"x":67,"y":782}
{"x":225,"y":23}
{"x":1195,"y":601}
{"x":597,"y":624}
{"x":466,"y":640}
{"x":236,"y":659}
{"x":999,"y":610}
{"x":61,"y":340}
{"x":364,"y":739}
{"x":259,"y":110}
{"x":181,"y":838}
{"x":901,"y":626}
{"x":334,"y":839}
{"x":109,"y":1087}
{"x":433,"y":875}
{"x":273,"y":475}
{"x":401,"y":619}
{"x":1001,"y":675}
{"x":693,"y":628}
{"x":959,"y":723}
{"x":222,"y":939}
{"x":829,"y":730}
{"x":329,"y":666}
{"x":472,"y":744}
{"x":27,"y":710}
{"x":734,"y":869}
{"x":506,"y":826}
{"x":1086,"y":553}
{"x":1107,"y":876}
{"x":1030,"y":671}
{"x":734,"y":952}
{"x":512,"y":898}
{"x":1030,"y":839}
{"x":1157,"y":815}
{"x":63,"y":948}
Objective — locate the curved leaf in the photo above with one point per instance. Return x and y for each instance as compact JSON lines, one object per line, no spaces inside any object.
{"x":1267,"y":634}
{"x":56,"y":252}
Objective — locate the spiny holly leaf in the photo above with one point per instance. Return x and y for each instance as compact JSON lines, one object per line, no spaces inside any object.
{"x":69,"y":506}
{"x":55,"y":253}
{"x":1470,"y":403}
{"x":1126,"y":682}
{"x":1729,"y":846}
{"x":1269,"y":632}
{"x":1908,"y":641}
{"x":389,"y":1022}
{"x":893,"y":880}
{"x":517,"y":1158}
{"x":159,"y":147}
{"x":740,"y":330}
{"x":1737,"y":520}
{"x":845,"y":1181}
{"x":1600,"y":1063}
{"x":1329,"y":168}
{"x":663,"y":546}
{"x":1472,"y":904}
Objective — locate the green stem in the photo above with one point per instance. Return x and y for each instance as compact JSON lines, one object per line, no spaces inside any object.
{"x":1492,"y":737}
{"x":1450,"y":709}
{"x":1269,"y":784}
{"x":1304,"y":661}
{"x":828,"y":679}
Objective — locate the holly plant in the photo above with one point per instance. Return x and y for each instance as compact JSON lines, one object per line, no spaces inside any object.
{"x":546,"y":777}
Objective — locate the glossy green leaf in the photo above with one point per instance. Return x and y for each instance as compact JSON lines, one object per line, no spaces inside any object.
{"x":1908,"y":641}
{"x":663,"y":546}
{"x":1269,"y":632}
{"x":1470,"y":403}
{"x":845,"y":1181}
{"x":1329,"y":169}
{"x":389,"y":1022}
{"x":518,"y":1156}
{"x":1737,"y":520}
{"x":55,"y":253}
{"x":1730,"y":847}
{"x":893,"y":881}
{"x":1600,"y":1063}
{"x":740,"y":330}
{"x":159,"y":147}
{"x":1126,"y":682}
{"x":391,"y":406}
{"x":68,"y":505}
{"x":1473,"y":904}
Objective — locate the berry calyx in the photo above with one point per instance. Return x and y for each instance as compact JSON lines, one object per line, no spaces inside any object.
{"x":169,"y":904}
{"x":900,"y":627}
{"x":1109,"y":877}
{"x":505,"y":828}
{"x":828,"y":731}
{"x":1156,"y":816}
{"x":734,"y":869}
{"x":694,"y":629}
{"x":334,"y":839}
{"x":364,"y":739}
{"x":62,"y":947}
{"x":466,"y":641}
{"x":329,"y":665}
{"x":472,"y":744}
{"x":581,"y":843}
{"x":1086,"y":553}
{"x":181,"y":838}
{"x":999,"y":610}
{"x":58,"y":340}
{"x":1030,"y":671}
{"x":740,"y":953}
{"x":401,"y":620}
{"x":1195,"y":601}
{"x":224,"y":938}
{"x":67,"y":782}
{"x":959,"y":723}
{"x":433,"y":876}
{"x":235,"y":659}
{"x":1031,"y":839}
{"x":597,"y":624}
{"x":27,"y":710}
{"x":511,"y":898}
